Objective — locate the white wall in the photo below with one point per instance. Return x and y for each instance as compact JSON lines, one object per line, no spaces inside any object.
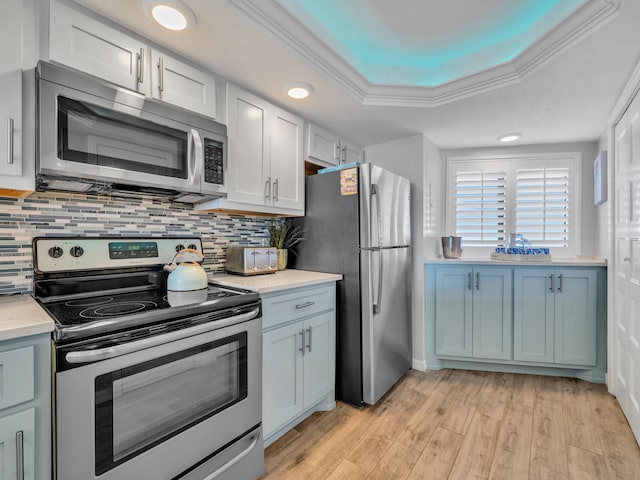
{"x":589,"y":150}
{"x":414,"y":158}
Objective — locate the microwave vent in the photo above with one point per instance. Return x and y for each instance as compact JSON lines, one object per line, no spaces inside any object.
{"x":69,"y":186}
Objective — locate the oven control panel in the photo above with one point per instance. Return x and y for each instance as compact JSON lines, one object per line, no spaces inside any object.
{"x":66,"y":254}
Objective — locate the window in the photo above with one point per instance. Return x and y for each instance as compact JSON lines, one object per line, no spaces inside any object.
{"x":535,"y":195}
{"x":480,"y":207}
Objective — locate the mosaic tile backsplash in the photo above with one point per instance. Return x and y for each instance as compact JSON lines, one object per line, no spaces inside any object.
{"x":59,"y":214}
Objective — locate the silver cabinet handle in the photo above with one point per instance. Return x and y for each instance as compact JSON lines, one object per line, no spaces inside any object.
{"x":10,"y":128}
{"x":304,"y":305}
{"x":344,"y":154}
{"x":477,"y":280}
{"x":161,"y":74}
{"x":337,"y":152}
{"x":469,"y":278}
{"x":553,"y":283}
{"x":19,"y":455}
{"x":141,"y":65}
{"x":275,"y":190}
{"x":310,"y":330}
{"x":216,"y":473}
{"x":303,"y":342}
{"x":560,"y":283}
{"x":267,"y":189}
{"x":626,"y":259}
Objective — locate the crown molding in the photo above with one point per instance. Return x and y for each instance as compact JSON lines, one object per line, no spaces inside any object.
{"x":271,"y":15}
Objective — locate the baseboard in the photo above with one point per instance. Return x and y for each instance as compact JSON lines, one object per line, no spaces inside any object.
{"x":420,"y":365}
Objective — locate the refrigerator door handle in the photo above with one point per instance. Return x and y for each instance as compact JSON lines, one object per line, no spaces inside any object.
{"x":378,"y":303}
{"x":374,"y":191}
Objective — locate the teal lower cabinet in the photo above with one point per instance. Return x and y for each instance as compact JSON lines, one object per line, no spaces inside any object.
{"x":522,"y":318}
{"x":298,"y":351}
{"x":473,"y":312}
{"x":25,"y":408}
{"x":555,"y":312}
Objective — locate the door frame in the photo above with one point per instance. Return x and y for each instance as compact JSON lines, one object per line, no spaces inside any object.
{"x":632,"y":87}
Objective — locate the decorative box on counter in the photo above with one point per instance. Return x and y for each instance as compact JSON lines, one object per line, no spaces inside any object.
{"x":521,"y":254}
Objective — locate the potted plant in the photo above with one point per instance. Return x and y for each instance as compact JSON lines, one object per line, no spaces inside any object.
{"x":284,"y":236}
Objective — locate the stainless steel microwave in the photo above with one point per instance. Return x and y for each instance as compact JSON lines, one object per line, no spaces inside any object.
{"x":94,"y":137}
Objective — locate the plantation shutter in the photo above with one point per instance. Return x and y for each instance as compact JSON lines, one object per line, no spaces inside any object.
{"x":480,"y":207}
{"x":542,"y":206}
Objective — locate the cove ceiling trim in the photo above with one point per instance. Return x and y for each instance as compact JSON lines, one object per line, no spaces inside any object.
{"x":277,"y":19}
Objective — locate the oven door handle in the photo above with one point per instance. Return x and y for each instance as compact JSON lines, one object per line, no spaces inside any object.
{"x":233,"y":461}
{"x":89,"y":356}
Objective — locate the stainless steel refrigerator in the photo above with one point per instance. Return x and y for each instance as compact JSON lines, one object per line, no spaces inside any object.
{"x":358,"y":224}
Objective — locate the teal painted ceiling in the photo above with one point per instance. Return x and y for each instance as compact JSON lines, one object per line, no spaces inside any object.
{"x":428,"y":42}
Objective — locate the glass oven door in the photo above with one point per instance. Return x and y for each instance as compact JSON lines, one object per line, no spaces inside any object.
{"x":140,"y":406}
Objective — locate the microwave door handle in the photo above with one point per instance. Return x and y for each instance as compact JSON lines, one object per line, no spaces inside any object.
{"x":196,"y":157}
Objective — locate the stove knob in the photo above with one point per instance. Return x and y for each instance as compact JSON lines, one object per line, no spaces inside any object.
{"x":56,"y":252}
{"x":193,"y":247}
{"x":179,"y":247}
{"x":76,"y":251}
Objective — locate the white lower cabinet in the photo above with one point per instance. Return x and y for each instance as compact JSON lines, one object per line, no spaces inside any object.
{"x":298,"y":350}
{"x":25,"y":408}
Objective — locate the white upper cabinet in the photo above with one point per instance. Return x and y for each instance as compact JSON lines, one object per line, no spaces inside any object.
{"x":265,"y":168}
{"x":11,"y":92}
{"x":88,"y":45}
{"x":92,"y":47}
{"x":180,"y":84}
{"x":17,"y":112}
{"x":328,"y":149}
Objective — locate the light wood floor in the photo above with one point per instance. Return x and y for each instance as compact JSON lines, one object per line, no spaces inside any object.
{"x":458,"y":424}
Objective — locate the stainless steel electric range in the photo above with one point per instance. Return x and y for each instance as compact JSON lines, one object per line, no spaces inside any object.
{"x":144,"y":389}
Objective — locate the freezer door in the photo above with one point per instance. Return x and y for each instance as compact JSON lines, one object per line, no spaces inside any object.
{"x":386,"y":319}
{"x":385,"y":208}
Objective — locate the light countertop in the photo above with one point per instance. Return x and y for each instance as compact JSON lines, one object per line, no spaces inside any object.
{"x":21,"y":316}
{"x":274,"y":282}
{"x":560,"y":262}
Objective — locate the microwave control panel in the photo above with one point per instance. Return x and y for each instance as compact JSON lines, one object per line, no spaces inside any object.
{"x":213,"y":162}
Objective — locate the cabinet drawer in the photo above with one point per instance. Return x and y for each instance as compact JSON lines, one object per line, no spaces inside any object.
{"x":284,"y":308}
{"x":16,"y":376}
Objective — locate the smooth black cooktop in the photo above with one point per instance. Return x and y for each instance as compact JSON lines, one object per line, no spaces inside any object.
{"x":91,"y":308}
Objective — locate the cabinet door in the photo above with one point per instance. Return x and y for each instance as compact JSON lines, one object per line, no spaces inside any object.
{"x":17,"y":432}
{"x":249,"y":149}
{"x":91,"y":46}
{"x":319,"y":358}
{"x":322,"y":145}
{"x":533,"y":317}
{"x":11,"y":92}
{"x":453,"y":311}
{"x":282,"y":371}
{"x":180,"y":84}
{"x":351,"y":153}
{"x":287,"y":166}
{"x":575,"y":317}
{"x":492,"y":315}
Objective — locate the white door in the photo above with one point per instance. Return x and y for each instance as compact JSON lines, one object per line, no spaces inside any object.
{"x":626,"y":337}
{"x":322,"y":145}
{"x":92,"y":47}
{"x":287,"y":166}
{"x":175,"y":82}
{"x":249,"y":148}
{"x":11,"y":94}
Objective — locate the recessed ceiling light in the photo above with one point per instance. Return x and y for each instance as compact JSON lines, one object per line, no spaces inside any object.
{"x":509,"y":137}
{"x":171,"y":14}
{"x":299,"y":90}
